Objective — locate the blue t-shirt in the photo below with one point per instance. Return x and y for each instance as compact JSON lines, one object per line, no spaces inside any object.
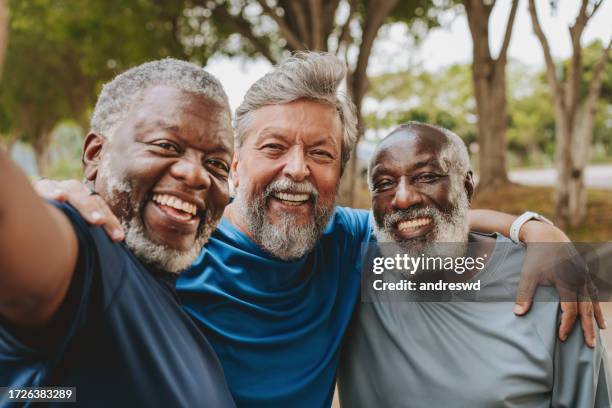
{"x":277,"y":326}
{"x":120,"y":337}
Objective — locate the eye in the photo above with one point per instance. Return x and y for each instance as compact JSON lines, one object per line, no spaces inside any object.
{"x":218,"y":168}
{"x":218,"y":164}
{"x":427,"y":178}
{"x":383,"y":185}
{"x":322,"y":153}
{"x":273,"y":147}
{"x":167,"y":145}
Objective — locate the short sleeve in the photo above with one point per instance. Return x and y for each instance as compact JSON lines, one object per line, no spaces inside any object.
{"x":97,"y":275}
{"x":358,"y":224}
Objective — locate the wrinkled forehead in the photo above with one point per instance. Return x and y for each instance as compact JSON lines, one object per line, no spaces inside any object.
{"x":161,"y":100}
{"x":409,"y":147}
{"x":203,"y":119}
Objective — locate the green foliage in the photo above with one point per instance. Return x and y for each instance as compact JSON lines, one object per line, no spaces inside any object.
{"x":443,"y":98}
{"x":446,"y":98}
{"x":60,"y":52}
{"x":420,"y":16}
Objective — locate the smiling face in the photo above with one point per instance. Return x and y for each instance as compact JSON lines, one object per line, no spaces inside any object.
{"x":417,"y":196}
{"x":287,"y":173}
{"x":164,"y":173}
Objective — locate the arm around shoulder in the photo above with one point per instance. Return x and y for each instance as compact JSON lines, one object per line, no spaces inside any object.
{"x":38,"y":251}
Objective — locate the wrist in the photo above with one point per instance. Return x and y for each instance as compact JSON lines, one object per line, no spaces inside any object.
{"x":529,"y":230}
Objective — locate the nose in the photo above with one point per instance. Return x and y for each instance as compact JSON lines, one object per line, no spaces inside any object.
{"x":406,"y":195}
{"x":191,"y":172}
{"x":296,"y":167}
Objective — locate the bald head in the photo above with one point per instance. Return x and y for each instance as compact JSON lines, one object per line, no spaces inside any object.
{"x":448,"y":147}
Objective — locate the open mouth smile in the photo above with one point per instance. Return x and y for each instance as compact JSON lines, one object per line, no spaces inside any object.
{"x":175,"y":208}
{"x":415,"y":227}
{"x":293,"y":199}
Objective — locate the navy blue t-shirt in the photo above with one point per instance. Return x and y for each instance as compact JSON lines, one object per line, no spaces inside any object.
{"x":120,"y":337}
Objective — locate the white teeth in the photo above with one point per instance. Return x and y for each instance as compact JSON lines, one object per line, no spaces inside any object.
{"x":175,"y":202}
{"x":292,"y":197}
{"x":411,"y":224}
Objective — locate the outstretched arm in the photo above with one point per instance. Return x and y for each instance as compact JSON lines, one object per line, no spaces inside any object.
{"x":38,"y":251}
{"x":538,"y":232}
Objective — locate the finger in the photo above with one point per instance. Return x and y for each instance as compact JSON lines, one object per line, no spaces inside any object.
{"x":110,"y":222}
{"x":525,"y":292}
{"x":75,"y":187}
{"x":599,"y":316}
{"x":585,"y":309}
{"x":89,"y":207}
{"x":49,"y":190}
{"x":568,"y":318}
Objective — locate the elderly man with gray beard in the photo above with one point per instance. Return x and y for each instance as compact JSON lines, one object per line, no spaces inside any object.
{"x":443,"y":348}
{"x":78,"y":310}
{"x":275,"y":286}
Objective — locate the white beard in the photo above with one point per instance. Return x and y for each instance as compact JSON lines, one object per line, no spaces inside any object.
{"x":283,"y":239}
{"x":154,"y":255}
{"x":448,"y":238}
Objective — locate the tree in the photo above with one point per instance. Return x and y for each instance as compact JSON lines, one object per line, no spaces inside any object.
{"x":574,"y":116}
{"x":60,"y":53}
{"x":444,"y":98}
{"x":4,"y":17}
{"x":489,"y":77}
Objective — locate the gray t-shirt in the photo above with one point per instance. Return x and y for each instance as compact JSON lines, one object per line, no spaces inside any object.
{"x":471,"y":354}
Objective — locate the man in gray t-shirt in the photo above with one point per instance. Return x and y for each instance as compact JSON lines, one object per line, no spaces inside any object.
{"x":405,"y":350}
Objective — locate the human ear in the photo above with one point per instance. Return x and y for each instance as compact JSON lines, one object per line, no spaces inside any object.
{"x":92,"y":152}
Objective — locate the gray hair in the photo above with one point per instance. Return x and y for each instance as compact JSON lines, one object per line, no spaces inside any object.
{"x":454,"y":157}
{"x":118,"y":95}
{"x":305,"y":75}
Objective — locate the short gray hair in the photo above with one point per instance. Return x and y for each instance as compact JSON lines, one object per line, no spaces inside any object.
{"x":454,"y":157}
{"x":118,"y":95}
{"x":305,"y":75}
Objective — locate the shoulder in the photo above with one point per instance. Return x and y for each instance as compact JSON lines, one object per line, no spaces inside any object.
{"x":101,"y":262}
{"x":352,"y":221}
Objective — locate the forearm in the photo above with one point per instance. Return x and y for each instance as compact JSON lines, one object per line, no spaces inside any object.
{"x":490,"y":221}
{"x":38,"y":250}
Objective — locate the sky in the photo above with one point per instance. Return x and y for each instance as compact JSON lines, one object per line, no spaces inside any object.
{"x":446,"y":45}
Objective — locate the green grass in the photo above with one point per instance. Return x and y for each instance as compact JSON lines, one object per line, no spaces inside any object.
{"x":515,"y":199}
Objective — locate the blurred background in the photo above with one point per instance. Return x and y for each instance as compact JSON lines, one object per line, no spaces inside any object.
{"x":527,"y":84}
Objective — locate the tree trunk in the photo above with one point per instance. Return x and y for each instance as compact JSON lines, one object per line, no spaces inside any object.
{"x":491,"y":107}
{"x":349,"y":181}
{"x":489,"y":78}
{"x":42,"y":154}
{"x":573,"y":119}
{"x":564,"y":165}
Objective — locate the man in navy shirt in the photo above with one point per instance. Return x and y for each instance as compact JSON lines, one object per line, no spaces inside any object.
{"x":78,"y":310}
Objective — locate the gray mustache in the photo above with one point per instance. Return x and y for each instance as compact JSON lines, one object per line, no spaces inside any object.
{"x":396,"y":216}
{"x":290,"y":186}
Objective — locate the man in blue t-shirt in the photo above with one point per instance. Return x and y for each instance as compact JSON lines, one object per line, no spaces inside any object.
{"x":275,"y":287}
{"x":77,"y":310}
